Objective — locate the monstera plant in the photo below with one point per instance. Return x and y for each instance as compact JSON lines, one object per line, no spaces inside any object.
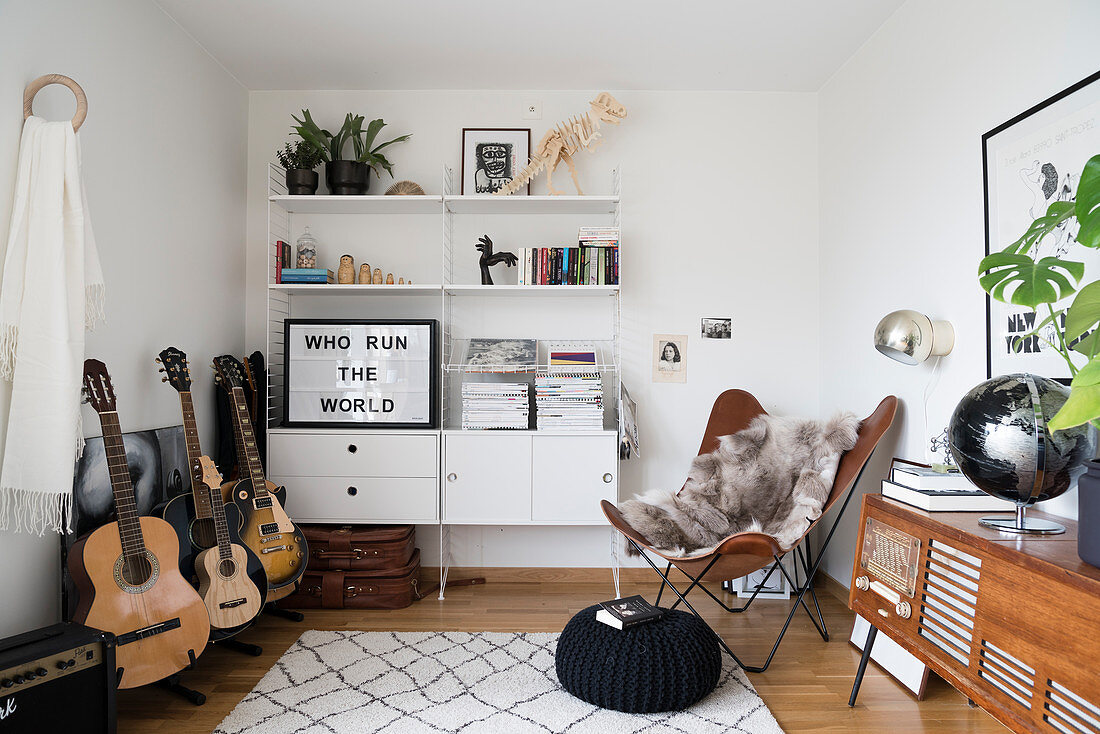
{"x":1046,"y":284}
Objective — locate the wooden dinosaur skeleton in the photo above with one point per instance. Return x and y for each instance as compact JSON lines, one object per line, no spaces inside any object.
{"x":565,"y":140}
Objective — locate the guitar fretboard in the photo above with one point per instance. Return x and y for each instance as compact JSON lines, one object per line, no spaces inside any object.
{"x":246,"y":445}
{"x":221,"y":528}
{"x":199,"y":491}
{"x":129,"y":526}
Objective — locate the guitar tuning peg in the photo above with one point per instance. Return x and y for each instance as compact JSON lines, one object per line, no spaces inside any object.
{"x":161,"y":369}
{"x":164,"y":379}
{"x":157,"y":360}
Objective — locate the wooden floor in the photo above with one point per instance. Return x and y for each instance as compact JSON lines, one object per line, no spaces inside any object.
{"x":806,"y":687}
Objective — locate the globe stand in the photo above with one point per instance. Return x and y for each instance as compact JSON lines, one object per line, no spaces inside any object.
{"x":1022,"y":524}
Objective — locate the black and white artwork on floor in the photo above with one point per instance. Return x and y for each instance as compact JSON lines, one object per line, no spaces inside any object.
{"x":1031,"y":162}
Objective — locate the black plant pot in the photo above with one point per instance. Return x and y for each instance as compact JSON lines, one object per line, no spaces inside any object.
{"x":1088,"y":514}
{"x":301,"y":182}
{"x":347,"y":178}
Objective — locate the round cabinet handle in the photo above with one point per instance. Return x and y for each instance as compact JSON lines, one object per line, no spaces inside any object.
{"x":607,"y":478}
{"x":352,"y":491}
{"x":452,"y":477}
{"x":352,"y":448}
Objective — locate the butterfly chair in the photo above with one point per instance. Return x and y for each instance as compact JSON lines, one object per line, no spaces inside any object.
{"x":743,"y":553}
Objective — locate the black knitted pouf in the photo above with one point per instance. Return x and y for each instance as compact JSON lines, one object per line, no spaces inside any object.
{"x":665,"y":665}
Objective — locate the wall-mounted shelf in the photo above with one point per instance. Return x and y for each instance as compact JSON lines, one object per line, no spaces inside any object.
{"x":379,"y":204}
{"x":488,"y":204}
{"x":355,"y":289}
{"x":566,"y":291}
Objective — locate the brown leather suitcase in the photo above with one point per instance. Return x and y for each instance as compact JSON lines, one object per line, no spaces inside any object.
{"x":359,"y":547}
{"x":359,"y":589}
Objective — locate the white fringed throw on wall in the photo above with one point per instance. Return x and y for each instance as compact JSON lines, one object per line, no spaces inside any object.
{"x":52,"y":290}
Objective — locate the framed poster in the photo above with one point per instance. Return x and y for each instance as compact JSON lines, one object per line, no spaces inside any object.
{"x":1028,"y":163}
{"x":493,"y":156}
{"x":360,"y":372}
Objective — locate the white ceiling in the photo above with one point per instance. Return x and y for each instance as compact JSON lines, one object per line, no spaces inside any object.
{"x":750,"y":45}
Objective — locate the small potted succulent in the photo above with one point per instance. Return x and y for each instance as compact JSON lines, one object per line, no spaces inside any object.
{"x":347,"y":175}
{"x":299,"y":160}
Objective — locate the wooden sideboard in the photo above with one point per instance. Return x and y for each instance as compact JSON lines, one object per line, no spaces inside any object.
{"x":1013,"y":622}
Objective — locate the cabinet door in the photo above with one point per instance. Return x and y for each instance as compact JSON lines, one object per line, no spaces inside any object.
{"x":570,"y":475}
{"x":487,"y":478}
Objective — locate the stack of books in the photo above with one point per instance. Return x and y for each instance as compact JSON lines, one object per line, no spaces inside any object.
{"x":307,"y":275}
{"x":568,"y":401}
{"x":495,"y":405}
{"x":630,"y":611}
{"x":935,"y":491}
{"x":594,"y":261}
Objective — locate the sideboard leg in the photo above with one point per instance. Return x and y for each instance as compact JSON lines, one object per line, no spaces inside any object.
{"x":867,"y":644}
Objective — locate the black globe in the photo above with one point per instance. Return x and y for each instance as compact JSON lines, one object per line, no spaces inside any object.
{"x":1000,"y":440}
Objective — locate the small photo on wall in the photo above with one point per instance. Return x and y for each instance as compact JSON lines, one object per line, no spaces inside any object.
{"x":670,"y":358}
{"x":717,"y":328}
{"x":492,"y":157}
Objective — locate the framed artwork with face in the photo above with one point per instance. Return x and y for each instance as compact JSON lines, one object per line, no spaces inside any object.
{"x":491,"y":157}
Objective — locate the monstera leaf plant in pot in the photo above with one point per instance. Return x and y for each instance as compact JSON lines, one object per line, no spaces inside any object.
{"x":1070,"y":313}
{"x":342,"y":174}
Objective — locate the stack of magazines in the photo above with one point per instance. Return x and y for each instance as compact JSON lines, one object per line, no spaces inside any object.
{"x":569,"y":401}
{"x":495,"y":405}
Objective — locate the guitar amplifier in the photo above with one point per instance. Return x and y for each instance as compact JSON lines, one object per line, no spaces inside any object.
{"x":58,"y":679}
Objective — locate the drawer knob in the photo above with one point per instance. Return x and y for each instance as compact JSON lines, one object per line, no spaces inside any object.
{"x":352,"y":491}
{"x":607,"y":478}
{"x":452,"y":477}
{"x":352,"y":448}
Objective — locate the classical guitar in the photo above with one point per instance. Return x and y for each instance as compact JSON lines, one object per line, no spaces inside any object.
{"x":232,"y":598}
{"x":195,"y":515}
{"x":267,"y":529}
{"x":126,"y":571}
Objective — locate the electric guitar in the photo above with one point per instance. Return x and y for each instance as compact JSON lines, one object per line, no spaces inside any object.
{"x":267,"y":529}
{"x":232,"y":597}
{"x":127,"y":573}
{"x":195,"y":515}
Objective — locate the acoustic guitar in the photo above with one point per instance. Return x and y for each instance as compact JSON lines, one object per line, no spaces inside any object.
{"x":126,"y":571}
{"x":232,"y":598}
{"x":267,"y":529}
{"x":196,"y":515}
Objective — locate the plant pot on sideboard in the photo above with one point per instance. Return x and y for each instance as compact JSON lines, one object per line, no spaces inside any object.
{"x":347,"y":178}
{"x":1088,"y":514}
{"x":301,"y":182}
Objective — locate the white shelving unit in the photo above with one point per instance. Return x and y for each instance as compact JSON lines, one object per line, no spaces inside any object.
{"x":446,"y":475}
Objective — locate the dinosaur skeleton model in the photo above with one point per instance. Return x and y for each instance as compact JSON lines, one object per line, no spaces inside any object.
{"x":565,"y":140}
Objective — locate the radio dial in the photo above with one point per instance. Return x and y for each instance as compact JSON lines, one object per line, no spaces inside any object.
{"x":862,"y":583}
{"x":903,"y":609}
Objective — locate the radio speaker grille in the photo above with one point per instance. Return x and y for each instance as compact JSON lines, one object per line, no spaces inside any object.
{"x":1067,"y":712}
{"x":949,"y":594}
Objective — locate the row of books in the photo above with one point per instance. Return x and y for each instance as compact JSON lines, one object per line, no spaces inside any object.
{"x":582,"y":265}
{"x":569,"y":401}
{"x":286,"y":274}
{"x":935,"y":491}
{"x":495,"y":405}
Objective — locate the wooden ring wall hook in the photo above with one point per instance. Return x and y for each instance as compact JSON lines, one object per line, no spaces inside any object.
{"x":47,"y":79}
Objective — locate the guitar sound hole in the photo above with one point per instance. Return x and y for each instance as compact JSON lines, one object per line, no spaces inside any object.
{"x":136,"y":571}
{"x":227,"y":568}
{"x":203,"y":533}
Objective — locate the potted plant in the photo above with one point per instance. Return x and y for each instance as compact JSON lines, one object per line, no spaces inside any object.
{"x":299,"y":160}
{"x":1015,"y":276}
{"x":348,"y":175}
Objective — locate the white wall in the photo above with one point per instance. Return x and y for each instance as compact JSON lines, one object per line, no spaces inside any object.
{"x":720,"y":217}
{"x":901,"y":196}
{"x":164,"y":168}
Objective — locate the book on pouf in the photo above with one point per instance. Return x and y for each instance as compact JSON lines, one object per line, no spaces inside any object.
{"x":630,"y":611}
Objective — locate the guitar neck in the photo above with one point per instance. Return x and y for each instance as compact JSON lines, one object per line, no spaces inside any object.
{"x":221,"y":527}
{"x":246,"y":446}
{"x":199,"y":493}
{"x":129,"y":526}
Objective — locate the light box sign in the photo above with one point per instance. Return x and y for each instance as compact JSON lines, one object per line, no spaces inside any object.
{"x":367,"y":373}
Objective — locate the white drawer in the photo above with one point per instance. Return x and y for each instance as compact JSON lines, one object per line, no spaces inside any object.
{"x":374,"y":499}
{"x":359,"y":454}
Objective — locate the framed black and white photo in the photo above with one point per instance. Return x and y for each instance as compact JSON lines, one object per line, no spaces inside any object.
{"x":1028,"y":163}
{"x":360,"y":372}
{"x":491,"y":157}
{"x":716,"y":328}
{"x":670,"y":358}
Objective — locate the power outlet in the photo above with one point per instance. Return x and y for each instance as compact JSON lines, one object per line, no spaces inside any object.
{"x":532,"y":110}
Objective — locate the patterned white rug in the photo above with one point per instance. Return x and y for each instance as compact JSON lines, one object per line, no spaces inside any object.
{"x":412,"y":682}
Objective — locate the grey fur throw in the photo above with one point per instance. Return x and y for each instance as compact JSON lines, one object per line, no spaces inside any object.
{"x":773,"y":477}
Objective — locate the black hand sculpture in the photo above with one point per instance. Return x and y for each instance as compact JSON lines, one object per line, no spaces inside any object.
{"x":488,"y":259}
